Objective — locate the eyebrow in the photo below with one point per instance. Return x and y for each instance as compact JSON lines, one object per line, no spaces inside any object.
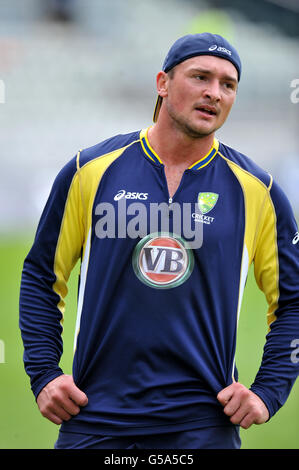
{"x":208,"y":72}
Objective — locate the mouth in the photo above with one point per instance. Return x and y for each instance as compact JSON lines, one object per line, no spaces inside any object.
{"x":207,"y":110}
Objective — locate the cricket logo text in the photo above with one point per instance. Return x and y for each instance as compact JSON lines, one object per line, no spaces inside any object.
{"x":206,"y":202}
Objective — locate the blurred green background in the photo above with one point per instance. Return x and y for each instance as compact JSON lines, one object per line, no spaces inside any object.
{"x":23,"y":427}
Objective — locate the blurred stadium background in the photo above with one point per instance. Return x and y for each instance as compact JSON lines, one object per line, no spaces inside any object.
{"x":73,"y":73}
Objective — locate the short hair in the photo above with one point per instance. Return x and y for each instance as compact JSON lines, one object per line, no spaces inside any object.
{"x":170,"y":73}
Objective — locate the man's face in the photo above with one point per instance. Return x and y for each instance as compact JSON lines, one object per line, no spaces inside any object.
{"x":200,"y":93}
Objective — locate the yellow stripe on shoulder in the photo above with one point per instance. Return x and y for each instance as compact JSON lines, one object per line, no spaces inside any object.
{"x":260,"y":237}
{"x":255,"y":194}
{"x":69,"y":244}
{"x":76,"y":221}
{"x":90,"y":175}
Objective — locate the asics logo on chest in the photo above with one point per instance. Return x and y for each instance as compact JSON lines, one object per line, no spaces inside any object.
{"x":130,"y":195}
{"x":296,"y":238}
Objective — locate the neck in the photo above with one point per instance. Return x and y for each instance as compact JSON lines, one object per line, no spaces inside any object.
{"x":176,"y":148}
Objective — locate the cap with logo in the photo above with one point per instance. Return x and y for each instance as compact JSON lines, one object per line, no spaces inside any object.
{"x":193,"y":45}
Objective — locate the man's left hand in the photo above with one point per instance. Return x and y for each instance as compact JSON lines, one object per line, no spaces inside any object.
{"x":242,"y":405}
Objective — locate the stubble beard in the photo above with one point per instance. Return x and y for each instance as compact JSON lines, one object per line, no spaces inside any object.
{"x":186,"y":127}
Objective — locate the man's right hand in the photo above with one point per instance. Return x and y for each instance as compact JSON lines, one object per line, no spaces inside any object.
{"x":61,"y":399}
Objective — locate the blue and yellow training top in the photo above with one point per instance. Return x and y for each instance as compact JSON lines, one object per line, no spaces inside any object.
{"x":161,"y":285}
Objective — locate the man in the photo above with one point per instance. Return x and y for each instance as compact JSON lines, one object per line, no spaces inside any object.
{"x":158,"y":309}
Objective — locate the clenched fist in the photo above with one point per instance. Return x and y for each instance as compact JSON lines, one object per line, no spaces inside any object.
{"x":242,"y":405}
{"x":61,"y":399}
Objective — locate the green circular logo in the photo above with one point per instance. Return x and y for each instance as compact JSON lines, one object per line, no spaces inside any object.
{"x":162,"y":260}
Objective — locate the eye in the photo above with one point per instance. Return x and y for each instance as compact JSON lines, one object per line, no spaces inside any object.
{"x":199,"y":77}
{"x":229,"y":85}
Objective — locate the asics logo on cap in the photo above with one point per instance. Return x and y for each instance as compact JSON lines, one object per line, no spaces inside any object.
{"x":220,"y":49}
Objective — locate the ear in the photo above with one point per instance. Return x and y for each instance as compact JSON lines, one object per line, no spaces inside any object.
{"x":162,"y":84}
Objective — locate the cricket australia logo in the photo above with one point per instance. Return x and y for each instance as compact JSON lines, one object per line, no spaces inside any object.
{"x":206,"y":202}
{"x":162,"y":261}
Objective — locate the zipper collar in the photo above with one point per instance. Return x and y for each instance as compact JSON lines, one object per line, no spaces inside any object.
{"x":154,"y":157}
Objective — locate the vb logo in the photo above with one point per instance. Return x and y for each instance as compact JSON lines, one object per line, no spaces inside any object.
{"x":162,"y":261}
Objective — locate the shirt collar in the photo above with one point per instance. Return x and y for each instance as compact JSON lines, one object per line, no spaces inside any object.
{"x":152,"y":155}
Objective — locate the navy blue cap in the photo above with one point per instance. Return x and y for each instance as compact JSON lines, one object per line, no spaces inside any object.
{"x":201,"y":44}
{"x":193,"y":45}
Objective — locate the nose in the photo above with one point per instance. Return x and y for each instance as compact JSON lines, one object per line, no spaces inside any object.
{"x":212,"y":90}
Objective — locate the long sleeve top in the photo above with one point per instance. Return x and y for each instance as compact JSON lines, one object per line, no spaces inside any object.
{"x":161,"y":285}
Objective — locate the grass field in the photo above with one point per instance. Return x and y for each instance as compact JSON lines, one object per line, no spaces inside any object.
{"x":22,"y":426}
